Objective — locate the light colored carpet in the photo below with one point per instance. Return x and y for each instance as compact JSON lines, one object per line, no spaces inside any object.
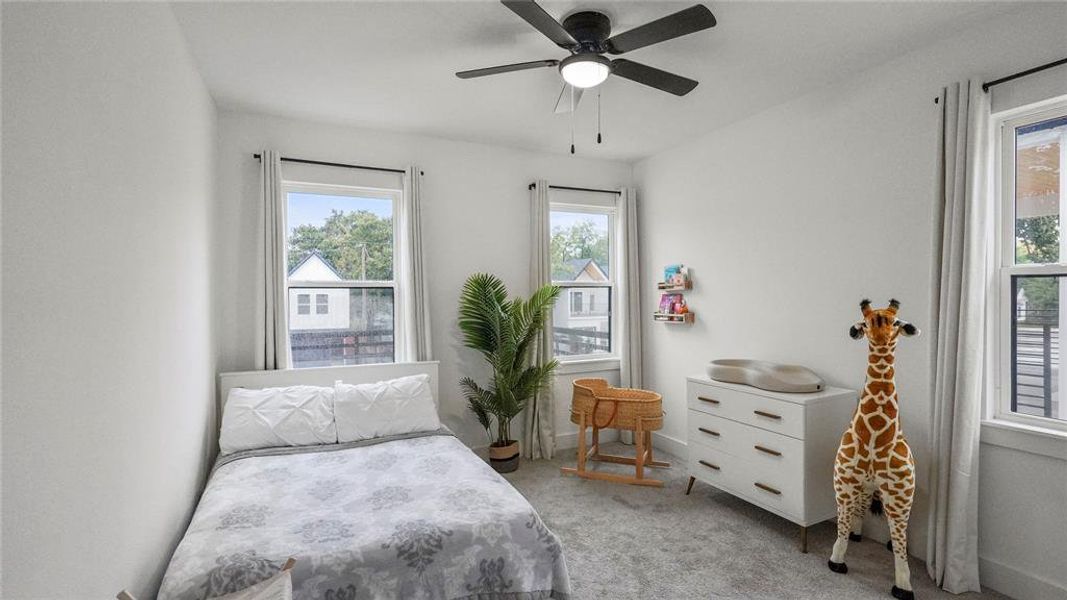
{"x":625,"y":541}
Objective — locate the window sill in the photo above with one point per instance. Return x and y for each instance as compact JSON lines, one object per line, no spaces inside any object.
{"x":1026,"y":438}
{"x":587,"y":365}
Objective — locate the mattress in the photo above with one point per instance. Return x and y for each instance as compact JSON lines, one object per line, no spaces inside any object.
{"x":410,"y":516}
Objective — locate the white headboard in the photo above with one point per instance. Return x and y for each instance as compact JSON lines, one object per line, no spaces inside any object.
{"x":326,"y":376}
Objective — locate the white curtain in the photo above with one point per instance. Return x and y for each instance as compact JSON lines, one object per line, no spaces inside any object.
{"x":272,"y":334}
{"x":963,"y":375}
{"x":413,"y":307}
{"x":629,"y":285}
{"x":539,"y":440}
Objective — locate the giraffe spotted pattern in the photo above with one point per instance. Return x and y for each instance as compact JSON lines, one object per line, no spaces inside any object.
{"x":874,"y":458}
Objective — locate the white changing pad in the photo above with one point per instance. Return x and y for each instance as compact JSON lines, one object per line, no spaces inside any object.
{"x":765,"y":375}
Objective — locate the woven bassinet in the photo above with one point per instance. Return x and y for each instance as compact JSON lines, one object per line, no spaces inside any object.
{"x":615,"y":408}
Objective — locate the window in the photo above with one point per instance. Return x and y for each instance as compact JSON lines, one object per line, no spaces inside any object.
{"x":576,"y":303}
{"x":582,"y":240}
{"x":340,"y":250}
{"x":1033,"y":264}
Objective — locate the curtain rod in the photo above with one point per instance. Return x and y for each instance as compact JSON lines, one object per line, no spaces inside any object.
{"x":1055,"y":63}
{"x":576,"y":189}
{"x":342,"y":165}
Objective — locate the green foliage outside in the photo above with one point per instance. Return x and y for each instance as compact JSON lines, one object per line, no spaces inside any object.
{"x":503,"y":331}
{"x":1038,"y":242}
{"x":357,"y":244}
{"x":580,"y":241}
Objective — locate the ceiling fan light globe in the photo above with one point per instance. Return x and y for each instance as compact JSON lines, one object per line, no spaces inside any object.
{"x":585,"y":71}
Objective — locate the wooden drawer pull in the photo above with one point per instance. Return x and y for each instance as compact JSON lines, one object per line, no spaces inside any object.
{"x":767,"y":450}
{"x":711,"y":400}
{"x":767,"y":488}
{"x":767,"y":414}
{"x":709,"y":432}
{"x":708,"y":465}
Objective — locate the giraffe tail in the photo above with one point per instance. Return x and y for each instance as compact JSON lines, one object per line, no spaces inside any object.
{"x":876,"y":504}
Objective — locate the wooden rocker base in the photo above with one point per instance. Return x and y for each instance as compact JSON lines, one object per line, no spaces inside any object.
{"x":612,"y":477}
{"x":644,"y":453}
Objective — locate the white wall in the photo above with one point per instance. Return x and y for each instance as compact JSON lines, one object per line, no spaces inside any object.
{"x":476,"y":215}
{"x":787,"y":219}
{"x":109,"y":358}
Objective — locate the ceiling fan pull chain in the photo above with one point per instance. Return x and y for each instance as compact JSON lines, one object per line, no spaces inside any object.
{"x":572,"y":119}
{"x":599,"y":139}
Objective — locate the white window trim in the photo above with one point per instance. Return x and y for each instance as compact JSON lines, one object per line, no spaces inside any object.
{"x":584,"y":363}
{"x":1002,"y":426}
{"x":393,"y":196}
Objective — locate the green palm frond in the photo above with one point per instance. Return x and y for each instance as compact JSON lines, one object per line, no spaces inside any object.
{"x":531,"y":319}
{"x":481,"y":315}
{"x":480,"y":401}
{"x":502,"y":331}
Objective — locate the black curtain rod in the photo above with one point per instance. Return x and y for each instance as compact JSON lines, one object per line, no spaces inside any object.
{"x":576,"y":189}
{"x":1055,"y":63}
{"x":342,"y":165}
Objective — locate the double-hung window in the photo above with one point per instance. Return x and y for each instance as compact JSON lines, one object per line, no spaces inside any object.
{"x":340,"y":280}
{"x":1032,"y":252}
{"x":581,"y":245}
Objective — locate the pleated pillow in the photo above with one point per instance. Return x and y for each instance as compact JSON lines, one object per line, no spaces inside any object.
{"x":300,"y":415}
{"x":370,"y":410}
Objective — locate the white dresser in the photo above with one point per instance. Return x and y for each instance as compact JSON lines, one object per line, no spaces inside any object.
{"x":775,"y":450}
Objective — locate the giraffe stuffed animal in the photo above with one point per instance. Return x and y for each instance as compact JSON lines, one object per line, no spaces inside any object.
{"x":873,"y":457}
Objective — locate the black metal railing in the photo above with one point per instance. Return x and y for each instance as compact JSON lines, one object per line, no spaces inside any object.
{"x":1036,"y":361}
{"x":333,"y":347}
{"x":577,"y":342}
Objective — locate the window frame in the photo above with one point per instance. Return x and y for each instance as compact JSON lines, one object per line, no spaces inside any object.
{"x":332,"y":189}
{"x":611,"y":210}
{"x":1004,"y":125}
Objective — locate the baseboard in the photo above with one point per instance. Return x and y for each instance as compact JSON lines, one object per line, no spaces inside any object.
{"x":569,"y":441}
{"x":1016,"y":583}
{"x":670,"y":445}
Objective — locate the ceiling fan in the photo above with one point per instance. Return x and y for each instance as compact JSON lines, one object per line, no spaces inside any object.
{"x":587,"y":36}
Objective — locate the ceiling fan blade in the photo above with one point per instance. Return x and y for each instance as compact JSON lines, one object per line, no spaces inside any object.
{"x":563,"y":102}
{"x":506,"y":68}
{"x":533,"y":14}
{"x":652,"y":77}
{"x":693,"y":19}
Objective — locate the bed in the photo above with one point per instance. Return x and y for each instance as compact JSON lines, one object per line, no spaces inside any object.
{"x":414,"y":515}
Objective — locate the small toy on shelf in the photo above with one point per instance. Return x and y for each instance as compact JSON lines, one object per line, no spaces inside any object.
{"x":675,"y":277}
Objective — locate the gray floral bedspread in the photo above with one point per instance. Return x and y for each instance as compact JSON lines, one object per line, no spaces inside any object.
{"x":405,"y":517}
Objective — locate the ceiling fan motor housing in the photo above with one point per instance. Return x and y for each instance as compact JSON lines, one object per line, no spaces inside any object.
{"x":589,"y":29}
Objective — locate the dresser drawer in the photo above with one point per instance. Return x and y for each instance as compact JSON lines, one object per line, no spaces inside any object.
{"x":715,"y":468}
{"x":772,"y":489}
{"x":779,"y":453}
{"x":763,"y":412}
{"x":747,"y":480}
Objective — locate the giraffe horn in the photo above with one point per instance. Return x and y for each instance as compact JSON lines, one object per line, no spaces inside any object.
{"x":865,"y":306}
{"x":894,"y":305}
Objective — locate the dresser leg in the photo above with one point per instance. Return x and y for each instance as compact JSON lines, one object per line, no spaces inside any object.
{"x":689,"y":487}
{"x":804,"y":540}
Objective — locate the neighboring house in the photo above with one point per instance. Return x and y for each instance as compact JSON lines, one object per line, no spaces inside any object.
{"x":582,"y":308}
{"x":317,"y":308}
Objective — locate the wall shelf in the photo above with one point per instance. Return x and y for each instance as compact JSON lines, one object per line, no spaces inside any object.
{"x":673,"y":317}
{"x":663,"y":286}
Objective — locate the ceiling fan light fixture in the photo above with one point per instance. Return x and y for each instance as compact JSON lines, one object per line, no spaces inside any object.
{"x":585,"y":70}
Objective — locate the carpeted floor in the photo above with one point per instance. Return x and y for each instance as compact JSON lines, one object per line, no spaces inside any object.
{"x":635,"y":542}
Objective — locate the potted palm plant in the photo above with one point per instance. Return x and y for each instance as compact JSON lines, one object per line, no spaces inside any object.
{"x":504,"y":332}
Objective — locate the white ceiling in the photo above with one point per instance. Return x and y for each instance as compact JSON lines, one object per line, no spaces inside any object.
{"x":390,"y":65}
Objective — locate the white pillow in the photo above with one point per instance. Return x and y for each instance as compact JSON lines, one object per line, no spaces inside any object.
{"x":371,"y":410}
{"x":300,"y":415}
